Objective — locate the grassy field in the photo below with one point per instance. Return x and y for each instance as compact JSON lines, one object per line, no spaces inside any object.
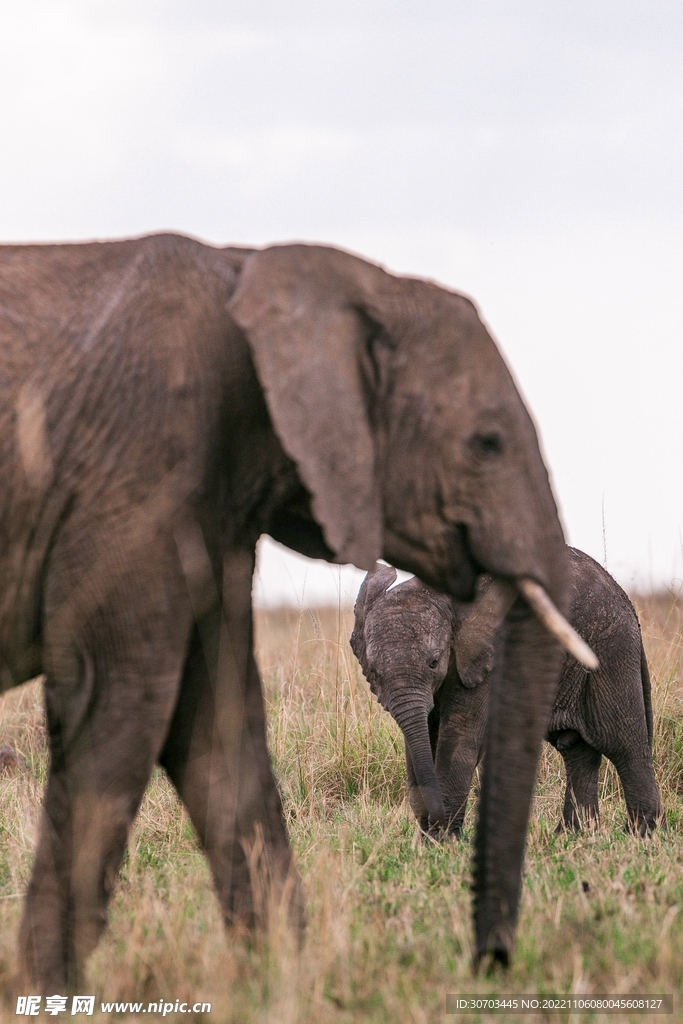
{"x":389,"y":915}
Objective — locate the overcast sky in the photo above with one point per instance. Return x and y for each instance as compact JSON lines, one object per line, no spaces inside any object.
{"x":529,"y":154}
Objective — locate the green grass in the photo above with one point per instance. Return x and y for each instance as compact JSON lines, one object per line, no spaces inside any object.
{"x":389,"y":929}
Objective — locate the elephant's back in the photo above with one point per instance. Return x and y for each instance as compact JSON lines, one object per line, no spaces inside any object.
{"x":57,"y":296}
{"x":601,"y":609}
{"x":597,"y":704}
{"x":113,"y":361}
{"x":111,"y":347}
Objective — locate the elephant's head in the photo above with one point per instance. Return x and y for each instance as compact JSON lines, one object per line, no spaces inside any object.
{"x":413,"y":443}
{"x":402,"y":638}
{"x":402,"y":418}
{"x":407,"y":638}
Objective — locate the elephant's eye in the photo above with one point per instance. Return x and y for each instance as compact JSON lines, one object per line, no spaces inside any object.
{"x":486,"y":445}
{"x":434,"y":661}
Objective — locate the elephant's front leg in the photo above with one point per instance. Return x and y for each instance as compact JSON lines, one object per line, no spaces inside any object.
{"x":461,"y":739}
{"x":217,"y":757}
{"x":108,"y":704}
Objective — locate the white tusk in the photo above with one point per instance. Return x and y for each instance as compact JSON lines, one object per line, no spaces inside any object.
{"x":556,"y":623}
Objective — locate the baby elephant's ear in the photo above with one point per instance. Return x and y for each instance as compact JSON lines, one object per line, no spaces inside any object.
{"x":474,"y":666}
{"x":377,"y":581}
{"x":476,"y":630}
{"x":301,"y":308}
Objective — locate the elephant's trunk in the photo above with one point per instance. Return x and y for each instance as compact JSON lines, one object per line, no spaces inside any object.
{"x":414,"y":726}
{"x":522,"y":690}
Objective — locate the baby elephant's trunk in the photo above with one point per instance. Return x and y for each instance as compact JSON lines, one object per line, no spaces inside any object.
{"x":413,"y":723}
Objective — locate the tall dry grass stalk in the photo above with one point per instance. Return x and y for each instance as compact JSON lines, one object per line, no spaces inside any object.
{"x":389,"y":914}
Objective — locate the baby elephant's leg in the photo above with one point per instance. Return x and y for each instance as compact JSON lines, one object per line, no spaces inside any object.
{"x":641,"y":792}
{"x":582,"y":764}
{"x":464,"y":712}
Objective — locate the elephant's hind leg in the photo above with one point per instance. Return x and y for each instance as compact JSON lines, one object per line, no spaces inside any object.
{"x":641,"y":792}
{"x":582,"y":765}
{"x":82,"y":838}
{"x":98,"y":774}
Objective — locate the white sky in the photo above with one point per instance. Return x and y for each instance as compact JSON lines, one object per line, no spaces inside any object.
{"x":527,"y":153}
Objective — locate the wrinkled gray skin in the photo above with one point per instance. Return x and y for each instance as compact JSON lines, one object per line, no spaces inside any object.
{"x":430,"y":661}
{"x":164,"y":403}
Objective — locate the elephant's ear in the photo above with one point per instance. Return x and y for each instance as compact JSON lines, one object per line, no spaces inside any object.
{"x":476,"y":630}
{"x":377,"y":581}
{"x":301,"y":308}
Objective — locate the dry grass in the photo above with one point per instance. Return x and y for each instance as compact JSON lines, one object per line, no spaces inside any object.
{"x":389,"y":915}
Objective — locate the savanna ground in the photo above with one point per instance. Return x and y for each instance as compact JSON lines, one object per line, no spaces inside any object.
{"x":389,"y":931}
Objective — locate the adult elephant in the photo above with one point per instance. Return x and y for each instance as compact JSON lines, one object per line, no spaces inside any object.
{"x":164,"y":403}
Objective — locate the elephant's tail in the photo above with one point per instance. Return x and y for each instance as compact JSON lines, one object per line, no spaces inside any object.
{"x":647,"y":691}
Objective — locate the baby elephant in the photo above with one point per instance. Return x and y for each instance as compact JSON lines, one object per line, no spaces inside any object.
{"x":431,"y":662}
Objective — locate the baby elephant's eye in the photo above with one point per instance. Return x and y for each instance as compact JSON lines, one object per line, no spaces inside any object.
{"x":434,"y":661}
{"x":486,"y":445}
